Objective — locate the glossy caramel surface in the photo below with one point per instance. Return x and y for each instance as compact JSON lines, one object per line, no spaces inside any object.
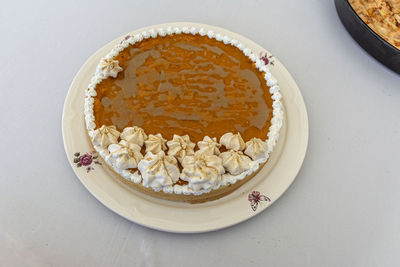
{"x":185,"y":84}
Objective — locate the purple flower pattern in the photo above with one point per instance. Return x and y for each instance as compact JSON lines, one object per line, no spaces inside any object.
{"x":87,"y":160}
{"x":268,"y":59}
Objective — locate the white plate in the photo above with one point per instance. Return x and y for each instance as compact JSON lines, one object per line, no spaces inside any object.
{"x":272,"y":181}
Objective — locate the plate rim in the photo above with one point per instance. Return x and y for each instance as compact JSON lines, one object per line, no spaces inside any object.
{"x":158,"y":227}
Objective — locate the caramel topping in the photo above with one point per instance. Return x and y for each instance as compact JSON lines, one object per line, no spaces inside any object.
{"x":185,"y":84}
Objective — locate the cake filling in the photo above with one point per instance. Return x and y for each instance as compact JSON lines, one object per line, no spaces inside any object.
{"x":185,"y":84}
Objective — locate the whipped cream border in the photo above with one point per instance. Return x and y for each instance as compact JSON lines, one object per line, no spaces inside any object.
{"x":277,"y":107}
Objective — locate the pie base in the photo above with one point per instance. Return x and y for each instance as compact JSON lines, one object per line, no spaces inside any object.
{"x":192,"y":199}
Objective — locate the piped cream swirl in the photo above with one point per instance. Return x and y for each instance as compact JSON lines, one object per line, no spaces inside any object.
{"x":159,"y":170}
{"x":105,"y":136}
{"x":202,"y":171}
{"x":134,"y":135}
{"x":180,"y":146}
{"x":155,"y":143}
{"x":235,"y":162}
{"x":109,"y":67}
{"x":256,"y":148}
{"x":125,"y":155}
{"x":209,"y":146}
{"x":232,"y":141}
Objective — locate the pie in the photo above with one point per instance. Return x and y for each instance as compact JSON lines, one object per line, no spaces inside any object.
{"x":382,"y":16}
{"x":183,"y":114}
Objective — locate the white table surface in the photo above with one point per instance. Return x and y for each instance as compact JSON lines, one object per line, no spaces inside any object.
{"x":342,"y":210}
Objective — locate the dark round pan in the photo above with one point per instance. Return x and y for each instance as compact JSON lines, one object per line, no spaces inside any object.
{"x":375,"y":45}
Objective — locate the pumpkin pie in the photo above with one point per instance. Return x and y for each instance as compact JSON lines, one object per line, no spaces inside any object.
{"x":183,"y":114}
